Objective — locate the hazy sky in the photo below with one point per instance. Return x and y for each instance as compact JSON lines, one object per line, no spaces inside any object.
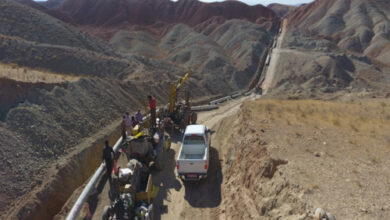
{"x":267,"y":2}
{"x":263,"y":2}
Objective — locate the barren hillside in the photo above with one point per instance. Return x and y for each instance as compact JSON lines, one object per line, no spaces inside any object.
{"x":158,"y":14}
{"x":335,"y":45}
{"x":281,"y":10}
{"x":52,"y":45}
{"x":353,"y":26}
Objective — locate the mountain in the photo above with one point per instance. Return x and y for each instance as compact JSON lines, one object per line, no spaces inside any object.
{"x":158,"y":14}
{"x":183,"y":33}
{"x":280,"y":9}
{"x":355,"y":26}
{"x":333,"y":47}
{"x":52,"y":4}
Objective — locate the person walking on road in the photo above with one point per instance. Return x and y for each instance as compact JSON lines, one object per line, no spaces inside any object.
{"x":108,"y":157}
{"x":152,"y":106}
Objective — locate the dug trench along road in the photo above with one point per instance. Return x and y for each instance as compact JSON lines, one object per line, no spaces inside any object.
{"x":193,"y":200}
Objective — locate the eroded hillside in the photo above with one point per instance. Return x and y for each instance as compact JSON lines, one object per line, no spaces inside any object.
{"x":336,"y":45}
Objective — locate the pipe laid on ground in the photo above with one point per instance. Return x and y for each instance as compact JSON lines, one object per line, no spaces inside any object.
{"x":248,"y":93}
{"x":74,"y":212}
{"x":204,"y":107}
{"x":219,"y":100}
{"x":236,"y":95}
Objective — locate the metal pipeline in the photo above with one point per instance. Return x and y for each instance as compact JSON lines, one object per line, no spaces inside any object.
{"x":204,"y":107}
{"x":236,"y":95}
{"x":220,"y":100}
{"x":74,"y":212}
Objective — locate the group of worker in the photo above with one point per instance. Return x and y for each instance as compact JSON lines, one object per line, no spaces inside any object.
{"x":127,"y":125}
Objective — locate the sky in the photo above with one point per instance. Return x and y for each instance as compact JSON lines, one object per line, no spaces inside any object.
{"x":267,"y":2}
{"x":263,"y":2}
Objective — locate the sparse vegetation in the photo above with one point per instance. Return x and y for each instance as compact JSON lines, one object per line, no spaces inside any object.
{"x":346,"y":116}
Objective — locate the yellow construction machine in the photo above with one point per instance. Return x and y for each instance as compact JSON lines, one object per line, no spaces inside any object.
{"x":180,"y":113}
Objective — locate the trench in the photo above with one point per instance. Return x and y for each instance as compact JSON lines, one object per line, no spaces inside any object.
{"x":51,"y":196}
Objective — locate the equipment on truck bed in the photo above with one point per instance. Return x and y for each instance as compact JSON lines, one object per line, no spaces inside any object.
{"x":135,"y":191}
{"x":133,"y":184}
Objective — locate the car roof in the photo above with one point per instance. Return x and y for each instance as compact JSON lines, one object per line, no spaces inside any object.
{"x":195,"y":129}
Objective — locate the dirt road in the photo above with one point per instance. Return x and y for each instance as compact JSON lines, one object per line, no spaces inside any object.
{"x":274,"y":60}
{"x":176,"y":200}
{"x":196,"y":200}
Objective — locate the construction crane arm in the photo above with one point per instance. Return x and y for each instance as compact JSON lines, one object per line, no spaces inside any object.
{"x":174,"y":87}
{"x":183,"y":80}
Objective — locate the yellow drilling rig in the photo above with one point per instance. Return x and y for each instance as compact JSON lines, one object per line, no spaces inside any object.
{"x":180,"y":113}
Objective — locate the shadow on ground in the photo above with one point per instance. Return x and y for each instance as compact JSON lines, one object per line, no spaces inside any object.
{"x":207,"y":192}
{"x":166,"y":178}
{"x":94,"y":198}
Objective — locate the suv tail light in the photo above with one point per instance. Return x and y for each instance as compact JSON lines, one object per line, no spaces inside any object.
{"x":177,"y":166}
{"x":205,"y":166}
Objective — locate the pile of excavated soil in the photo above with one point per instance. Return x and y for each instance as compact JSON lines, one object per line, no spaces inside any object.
{"x":21,"y":167}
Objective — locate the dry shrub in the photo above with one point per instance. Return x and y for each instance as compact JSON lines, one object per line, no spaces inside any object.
{"x":354,"y":128}
{"x":336,"y":122}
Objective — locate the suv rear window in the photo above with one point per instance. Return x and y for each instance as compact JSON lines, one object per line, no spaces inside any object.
{"x":193,"y":140}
